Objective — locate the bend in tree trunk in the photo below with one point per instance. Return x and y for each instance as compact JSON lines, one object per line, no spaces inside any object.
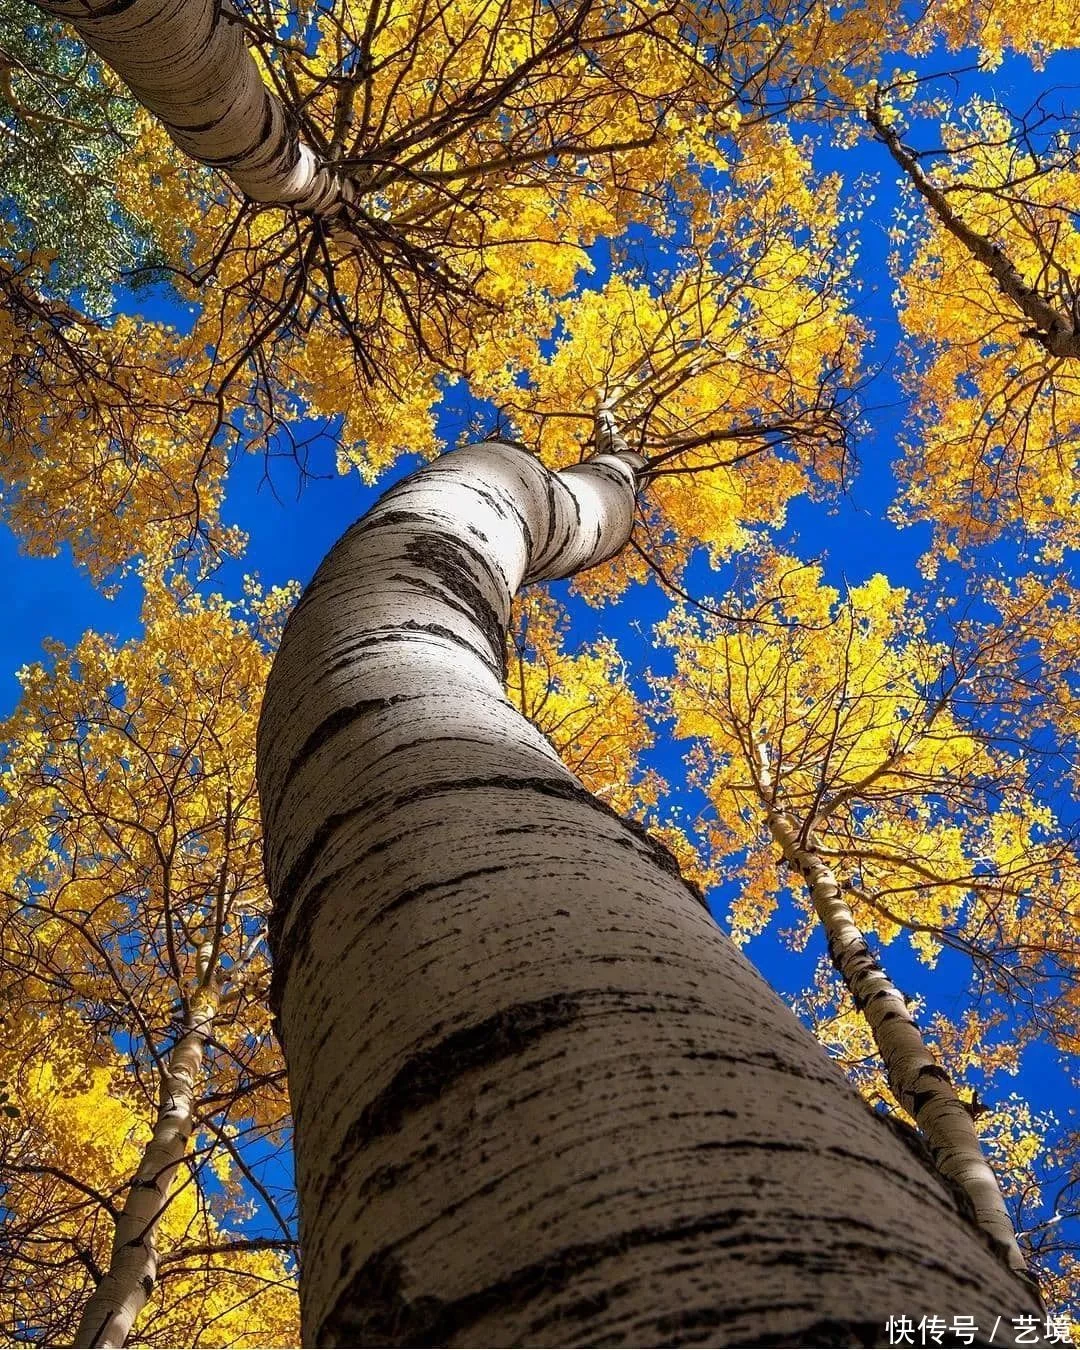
{"x":190,"y":65}
{"x":922,"y":1087}
{"x":538,"y":1097}
{"x":122,"y":1293}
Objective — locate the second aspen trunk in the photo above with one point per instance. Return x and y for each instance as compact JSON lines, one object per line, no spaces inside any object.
{"x":188,"y":62}
{"x":111,"y":1311}
{"x":921,"y":1085}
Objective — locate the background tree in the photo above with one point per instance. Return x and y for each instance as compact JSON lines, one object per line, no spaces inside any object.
{"x":134,"y":973}
{"x":989,"y":299}
{"x":1025,"y":1147}
{"x":67,"y":126}
{"x":844,"y":740}
{"x":486,"y":151}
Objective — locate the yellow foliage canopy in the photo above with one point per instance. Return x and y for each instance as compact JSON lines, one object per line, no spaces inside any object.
{"x":933,"y":829}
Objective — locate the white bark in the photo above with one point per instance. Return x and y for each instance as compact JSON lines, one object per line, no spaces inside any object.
{"x":189,"y":64}
{"x":122,"y":1293}
{"x":539,"y":1098}
{"x":921,"y":1085}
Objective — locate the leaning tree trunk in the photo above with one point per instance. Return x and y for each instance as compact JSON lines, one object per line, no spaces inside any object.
{"x":922,"y":1087}
{"x":188,"y":62}
{"x":123,"y":1290}
{"x":1055,"y":328}
{"x":539,"y":1097}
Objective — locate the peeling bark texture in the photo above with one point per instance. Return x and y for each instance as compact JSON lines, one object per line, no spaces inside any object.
{"x":1054,"y":330}
{"x":113,"y":1307}
{"x":922,"y":1086}
{"x":187,"y":61}
{"x":539,"y":1097}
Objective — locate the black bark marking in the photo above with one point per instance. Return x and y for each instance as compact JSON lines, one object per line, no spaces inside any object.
{"x":561,"y":788}
{"x":577,"y":509}
{"x":863,"y":1003}
{"x":839,"y":947}
{"x":283,"y":952}
{"x":445,"y":557}
{"x":427,"y":887}
{"x":374,"y":1308}
{"x":97,"y":1336}
{"x":662,"y":856}
{"x":387,"y":1177}
{"x":377,"y":520}
{"x":337,"y":721}
{"x":580,"y":1309}
{"x":109,"y":11}
{"x":552,"y":512}
{"x":859,"y":999}
{"x":407,"y":631}
{"x":287,"y":950}
{"x":506,"y":506}
{"x":439,"y":594}
{"x":428,"y":1074}
{"x":313,"y":899}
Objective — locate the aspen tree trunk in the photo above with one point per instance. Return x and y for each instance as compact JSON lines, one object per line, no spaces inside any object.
{"x":188,"y":62}
{"x":539,"y":1098}
{"x":921,"y":1085}
{"x":1055,"y":328}
{"x":112,"y":1309}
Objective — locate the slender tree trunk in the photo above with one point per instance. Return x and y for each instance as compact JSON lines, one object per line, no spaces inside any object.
{"x":921,"y":1085}
{"x":1055,"y":329}
{"x":112,"y":1309}
{"x":188,"y":62}
{"x":539,"y":1098}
